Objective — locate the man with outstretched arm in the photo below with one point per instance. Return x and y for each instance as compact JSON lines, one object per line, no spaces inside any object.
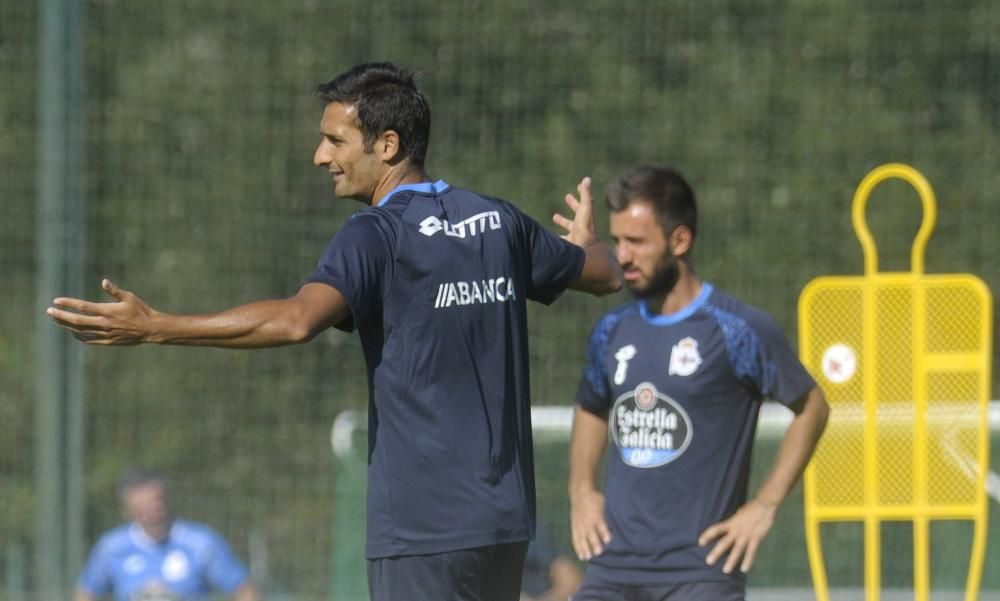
{"x":435,"y":279}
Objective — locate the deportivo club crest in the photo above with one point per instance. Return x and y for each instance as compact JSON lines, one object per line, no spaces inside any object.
{"x":684,"y":358}
{"x":649,"y":428}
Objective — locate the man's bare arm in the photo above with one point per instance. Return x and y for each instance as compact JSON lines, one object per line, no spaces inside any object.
{"x":741,"y":535}
{"x":587,"y":524}
{"x":128,"y":320}
{"x":601,"y":273}
{"x":565,"y":577}
{"x":82,"y":595}
{"x":246,"y":592}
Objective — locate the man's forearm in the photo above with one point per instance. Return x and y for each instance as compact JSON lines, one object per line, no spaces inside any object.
{"x":587,"y":442}
{"x":129,"y":320}
{"x":601,"y":273}
{"x":796,"y":449}
{"x":82,"y":595}
{"x":255,"y":325}
{"x":246,"y":592}
{"x":261,"y":324}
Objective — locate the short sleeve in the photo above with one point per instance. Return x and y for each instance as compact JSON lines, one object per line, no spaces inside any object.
{"x":594,"y":393}
{"x":784,"y":379}
{"x":554,"y":262}
{"x":356,"y":262}
{"x":96,"y":575}
{"x":224,"y":572}
{"x":762,"y":357}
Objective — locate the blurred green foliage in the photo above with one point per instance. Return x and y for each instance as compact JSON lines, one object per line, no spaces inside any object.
{"x":201,"y":123}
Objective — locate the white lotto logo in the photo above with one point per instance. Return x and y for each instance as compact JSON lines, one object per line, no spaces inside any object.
{"x":839,"y":363}
{"x":476,"y":224}
{"x":684,"y":358}
{"x":493,"y":290}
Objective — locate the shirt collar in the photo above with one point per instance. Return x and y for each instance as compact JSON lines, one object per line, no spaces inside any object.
{"x":424,"y":187}
{"x":666,"y":319}
{"x":143,"y":540}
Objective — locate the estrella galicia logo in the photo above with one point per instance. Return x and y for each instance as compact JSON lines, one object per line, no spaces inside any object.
{"x":649,"y":428}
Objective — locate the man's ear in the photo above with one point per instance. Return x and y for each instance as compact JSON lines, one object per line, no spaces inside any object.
{"x":388,"y":147}
{"x":681,"y":240}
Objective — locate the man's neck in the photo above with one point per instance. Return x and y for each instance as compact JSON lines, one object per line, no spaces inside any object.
{"x":156,"y":536}
{"x":687,"y":288}
{"x":402,"y":176}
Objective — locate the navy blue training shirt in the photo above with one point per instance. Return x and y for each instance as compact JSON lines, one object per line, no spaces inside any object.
{"x":682,"y":392}
{"x":437,"y":279}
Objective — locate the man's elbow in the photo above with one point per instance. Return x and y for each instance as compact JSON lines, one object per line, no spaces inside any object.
{"x":609,"y":282}
{"x":607,"y":287}
{"x":601,"y":272}
{"x":294,"y":328}
{"x":615,"y":283}
{"x":593,"y":288}
{"x":300,"y":334}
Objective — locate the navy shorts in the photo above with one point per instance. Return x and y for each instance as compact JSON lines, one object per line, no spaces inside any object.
{"x":594,"y":590}
{"x":490,"y":573}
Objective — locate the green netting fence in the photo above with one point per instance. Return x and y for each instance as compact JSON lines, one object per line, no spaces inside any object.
{"x":191,"y":134}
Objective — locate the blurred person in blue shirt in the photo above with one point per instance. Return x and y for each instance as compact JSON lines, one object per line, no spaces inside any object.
{"x":157,"y":557}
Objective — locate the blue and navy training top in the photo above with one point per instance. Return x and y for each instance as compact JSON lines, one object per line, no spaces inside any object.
{"x":682,"y":392}
{"x":192,"y":562}
{"x":437,"y":279}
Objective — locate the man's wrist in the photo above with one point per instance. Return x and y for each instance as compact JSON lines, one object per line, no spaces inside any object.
{"x":769,"y":504}
{"x":581,"y":491}
{"x":155,"y":331}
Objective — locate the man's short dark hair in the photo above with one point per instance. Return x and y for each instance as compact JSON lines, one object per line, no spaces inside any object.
{"x":663,"y":188}
{"x":385,"y":97}
{"x":137,"y":477}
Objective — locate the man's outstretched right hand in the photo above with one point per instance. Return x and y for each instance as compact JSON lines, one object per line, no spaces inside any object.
{"x":125,"y":321}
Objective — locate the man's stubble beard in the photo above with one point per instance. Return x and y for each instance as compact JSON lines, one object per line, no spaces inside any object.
{"x":663,"y":280}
